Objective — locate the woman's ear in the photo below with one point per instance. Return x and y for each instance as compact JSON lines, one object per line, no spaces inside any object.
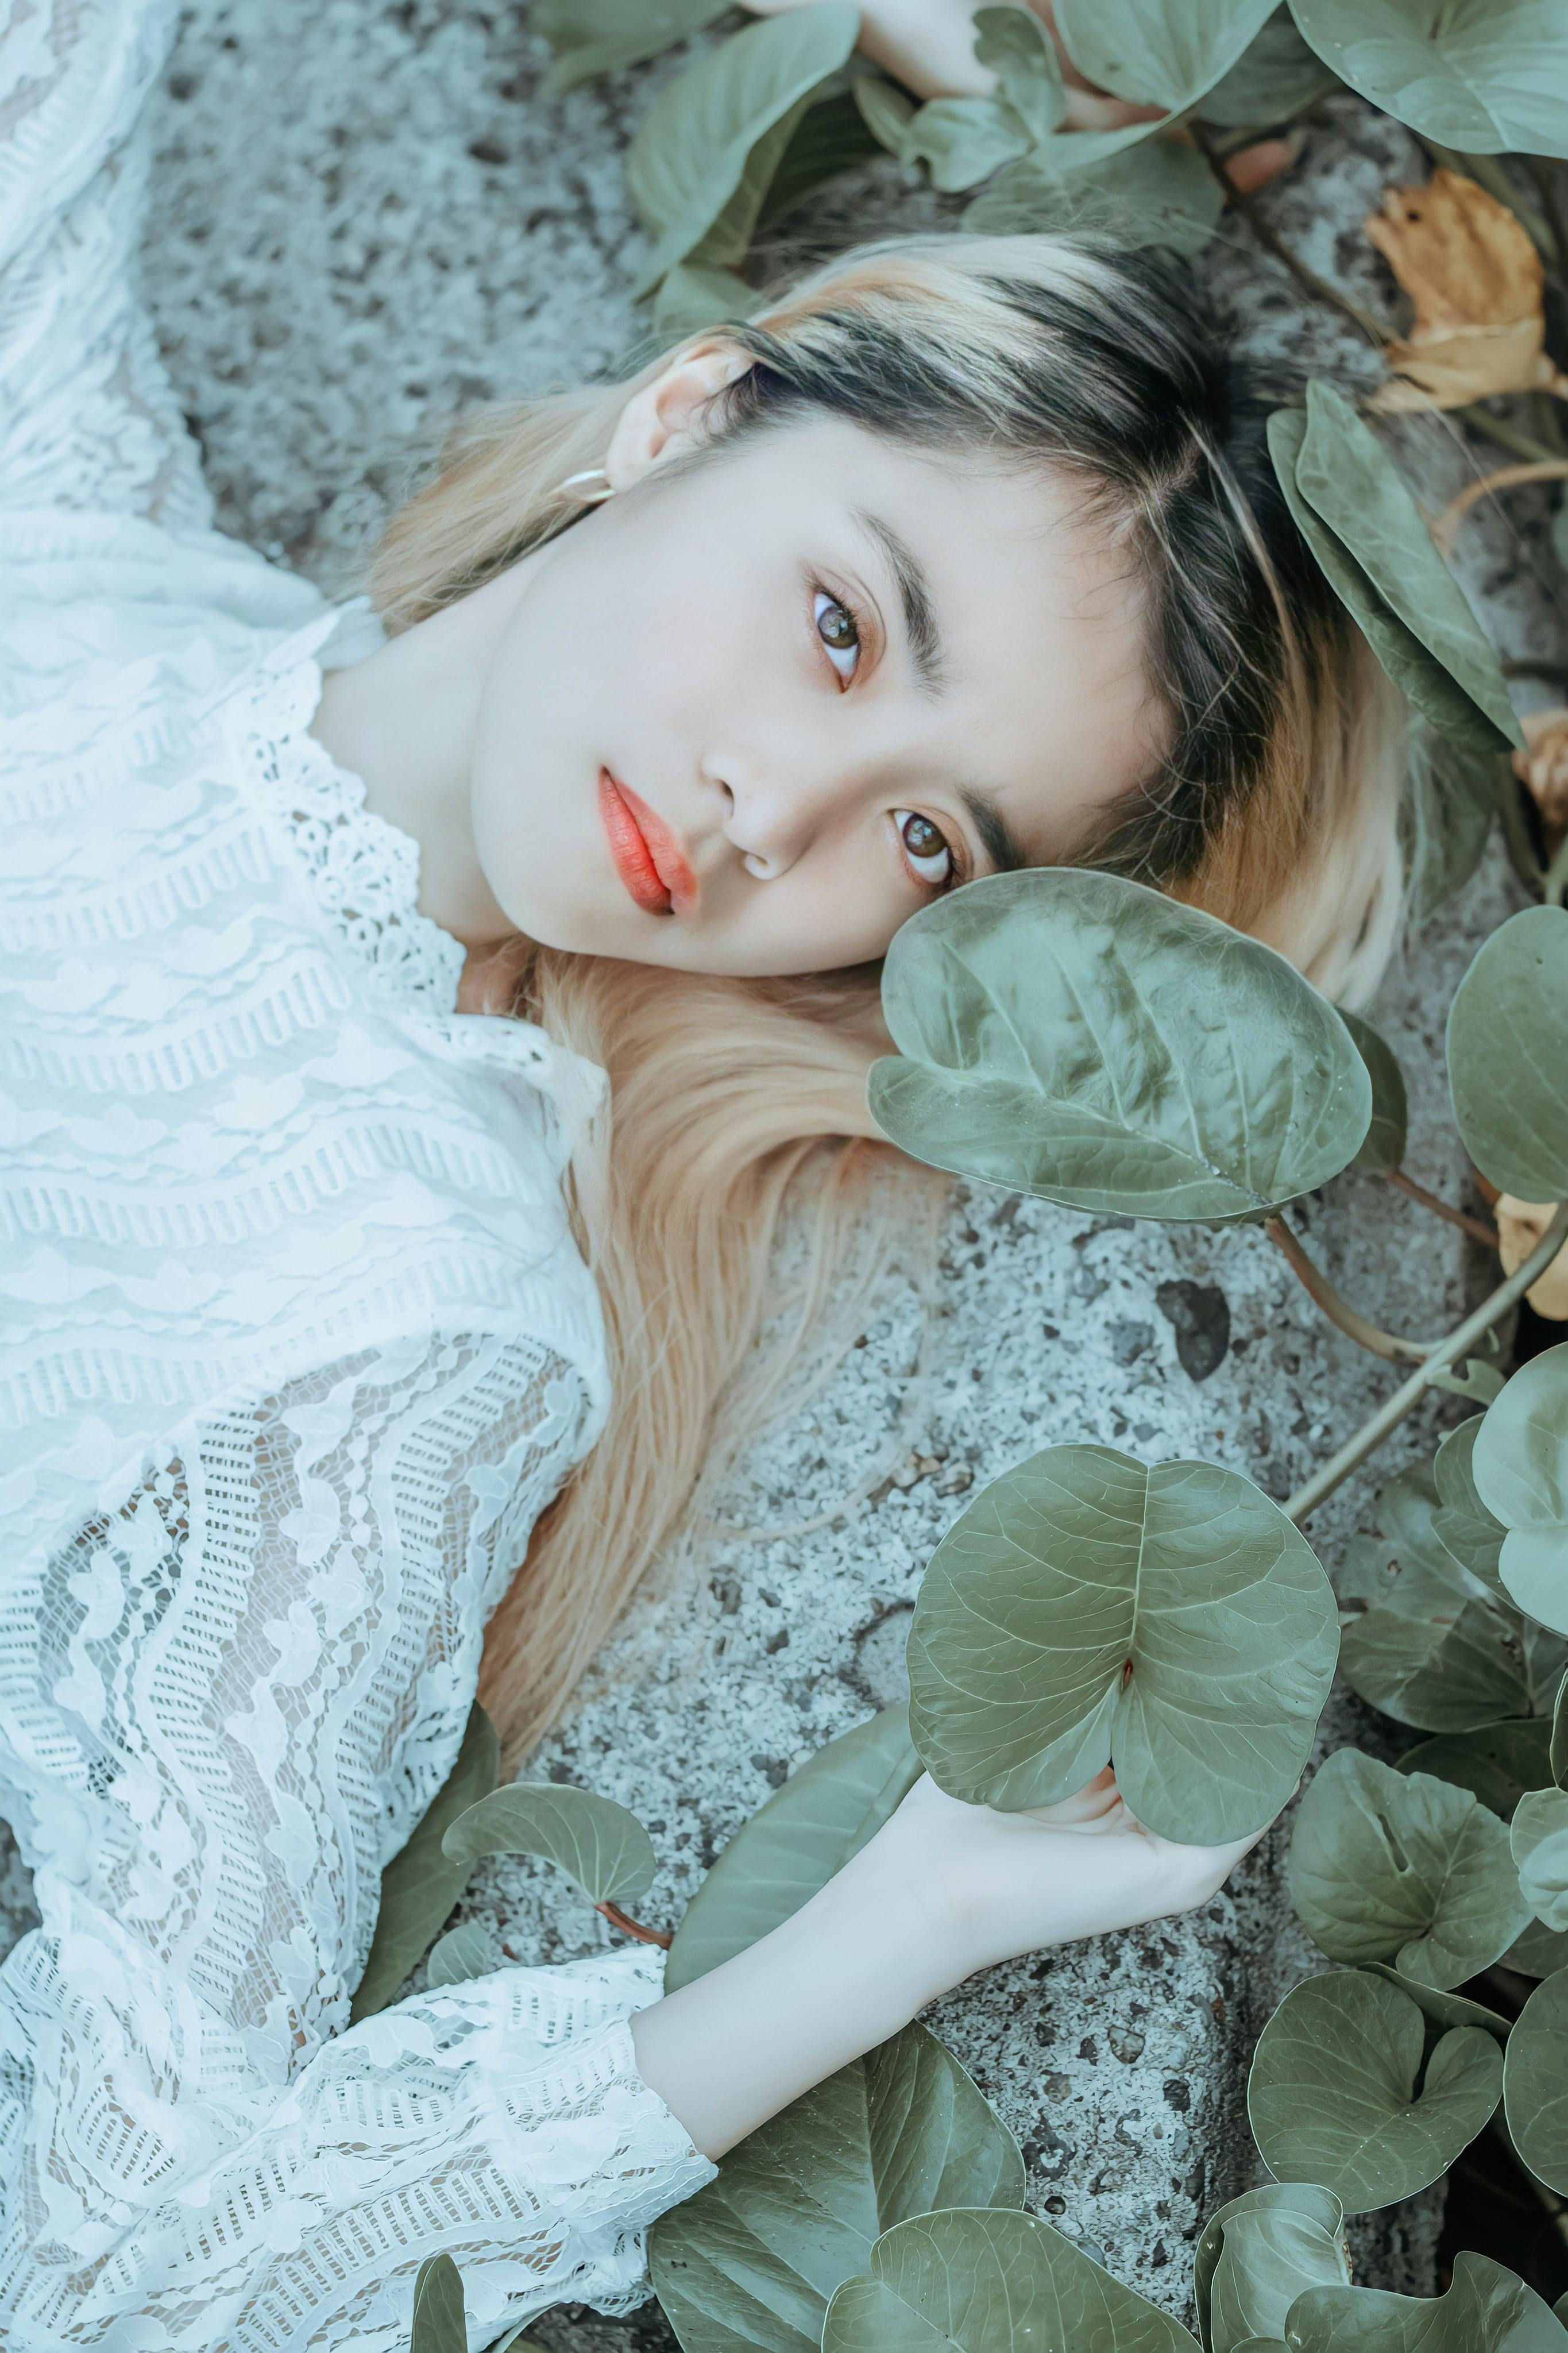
{"x":664,"y":418}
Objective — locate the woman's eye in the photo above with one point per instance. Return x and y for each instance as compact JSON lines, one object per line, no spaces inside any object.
{"x":925,"y":847}
{"x":836,"y":627}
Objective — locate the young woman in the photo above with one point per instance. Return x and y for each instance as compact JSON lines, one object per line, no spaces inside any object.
{"x":331,"y":1265}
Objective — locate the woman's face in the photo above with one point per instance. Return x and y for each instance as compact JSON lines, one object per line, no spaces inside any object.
{"x":752,"y":712}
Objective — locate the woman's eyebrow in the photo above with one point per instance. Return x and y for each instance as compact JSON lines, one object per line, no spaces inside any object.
{"x":914,"y":595}
{"x":998,"y":838}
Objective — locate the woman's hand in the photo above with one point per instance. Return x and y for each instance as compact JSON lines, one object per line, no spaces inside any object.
{"x":943,"y":1890}
{"x":929,"y":46}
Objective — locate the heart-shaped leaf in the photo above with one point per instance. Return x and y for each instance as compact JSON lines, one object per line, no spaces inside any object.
{"x":1161,"y":192}
{"x":1276,"y":76}
{"x":1508,"y":1052}
{"x":468,"y":1951}
{"x":1535,"y":2083}
{"x":1521,"y":1468}
{"x":1402,"y":652}
{"x":595,"y":1841}
{"x":1440,"y":2007}
{"x":439,"y":2323}
{"x":990,"y":2282}
{"x":962,"y":140}
{"x":595,"y":37}
{"x":1258,"y":2254}
{"x":1365,"y":529}
{"x":1462,"y":1522}
{"x":1087,"y":1609}
{"x":1154,"y":53}
{"x":797,"y":2208}
{"x":421,"y":1884}
{"x":1383,"y":1148}
{"x":1485,"y":76}
{"x":707,"y":149}
{"x":1538,"y":1953}
{"x":1388,"y":1866}
{"x":1486,"y":2310}
{"x":792,"y":1845}
{"x":1079,"y":1036}
{"x":1539,"y":1842}
{"x":1332,"y":2094}
{"x":1496,"y":1762}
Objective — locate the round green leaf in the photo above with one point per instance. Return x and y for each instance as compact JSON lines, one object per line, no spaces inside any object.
{"x":1353,"y":485}
{"x":707,"y":149}
{"x":1540,"y":1843}
{"x":1496,"y":1762}
{"x":1481,"y":75}
{"x":1535,"y":2083}
{"x":1388,"y":1866}
{"x":1159,"y":52}
{"x":1520,"y":1467}
{"x":1400,"y":647}
{"x":421,"y":1884}
{"x":1486,"y":2310}
{"x":595,"y":37}
{"x":1440,"y":2007}
{"x":1383,"y":1148}
{"x":988,"y":2281}
{"x":792,"y":1845}
{"x":797,"y":2208}
{"x":595,"y":1841}
{"x":1332,"y":2099}
{"x":468,"y":1951}
{"x":1462,"y":1522}
{"x":1508,"y":1054}
{"x":1255,"y":2256}
{"x":439,"y":2323}
{"x":1087,"y":1610}
{"x":1079,"y":1036}
{"x":1276,"y":76}
{"x":1538,"y":1953}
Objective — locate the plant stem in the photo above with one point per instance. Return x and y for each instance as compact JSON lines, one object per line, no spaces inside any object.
{"x":1273,"y":242}
{"x":1445,"y":531}
{"x":1506,"y":435}
{"x":1406,"y":1399}
{"x":1477,"y":1228}
{"x":630,"y":1928}
{"x":1340,"y":1312}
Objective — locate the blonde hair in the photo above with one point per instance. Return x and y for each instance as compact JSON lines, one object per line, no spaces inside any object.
{"x":1276,"y":806}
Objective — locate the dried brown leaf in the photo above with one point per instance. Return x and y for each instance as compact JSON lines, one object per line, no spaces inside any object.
{"x":1520,"y":1225}
{"x":1543,"y":767}
{"x":1474,"y":280}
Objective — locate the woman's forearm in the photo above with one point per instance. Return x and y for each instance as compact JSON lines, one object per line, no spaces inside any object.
{"x":849,"y":1969}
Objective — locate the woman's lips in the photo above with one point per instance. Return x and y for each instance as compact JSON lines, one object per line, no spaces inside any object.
{"x":648,"y":858}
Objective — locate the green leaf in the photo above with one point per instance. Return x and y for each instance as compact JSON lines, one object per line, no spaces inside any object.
{"x":1013,"y":44}
{"x":1159,"y":194}
{"x":696,"y":294}
{"x":468,"y":1951}
{"x":1087,"y":1610}
{"x":707,"y":149}
{"x":1257,"y":2254}
{"x":1508,"y":1041}
{"x":439,"y":2323}
{"x":1439,"y":2006}
{"x":1481,"y":75}
{"x":1486,"y":2310}
{"x":595,"y":1841}
{"x":1159,"y":52}
{"x":1447,"y":815}
{"x":1496,"y":1762}
{"x":1535,"y":2083}
{"x":963,"y":141}
{"x":1080,"y":1036}
{"x":1538,"y":1953}
{"x":595,"y":37}
{"x":1521,"y":1468}
{"x":885,"y":110}
{"x":832,"y":136}
{"x":1462,"y":1522}
{"x":1557,"y":1751}
{"x":1276,"y":76}
{"x":754,"y":2257}
{"x":808,"y":1828}
{"x":420,"y":1885}
{"x":1332,"y":2098}
{"x":1539,"y":1842}
{"x":1388,"y":1866}
{"x":990,"y":2282}
{"x":1383,"y":1149}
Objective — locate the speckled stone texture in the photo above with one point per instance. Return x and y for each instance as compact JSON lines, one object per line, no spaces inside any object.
{"x":365,"y":216}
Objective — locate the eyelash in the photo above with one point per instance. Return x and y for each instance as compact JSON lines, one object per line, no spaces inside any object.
{"x":821,"y":596}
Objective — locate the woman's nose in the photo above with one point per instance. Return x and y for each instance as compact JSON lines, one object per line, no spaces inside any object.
{"x":773,"y":814}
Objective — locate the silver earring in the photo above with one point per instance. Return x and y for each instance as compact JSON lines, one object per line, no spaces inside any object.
{"x":575,"y":487}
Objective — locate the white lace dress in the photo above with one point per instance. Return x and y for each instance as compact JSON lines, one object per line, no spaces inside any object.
{"x":294,"y":1344}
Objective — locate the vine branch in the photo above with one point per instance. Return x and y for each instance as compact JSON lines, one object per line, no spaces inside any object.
{"x":1446,"y":530}
{"x":1477,"y":1228}
{"x":630,"y":1928}
{"x":1407,"y":1397}
{"x":1273,"y":242}
{"x":1339,"y":1311}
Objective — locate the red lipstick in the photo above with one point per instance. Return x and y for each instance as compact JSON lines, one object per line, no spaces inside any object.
{"x":648,"y":857}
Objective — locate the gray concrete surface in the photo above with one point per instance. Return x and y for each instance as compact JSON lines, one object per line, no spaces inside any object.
{"x":366,"y":216}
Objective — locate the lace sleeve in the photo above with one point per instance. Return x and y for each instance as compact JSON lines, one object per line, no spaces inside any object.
{"x":88,"y":417}
{"x":245,"y":1684}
